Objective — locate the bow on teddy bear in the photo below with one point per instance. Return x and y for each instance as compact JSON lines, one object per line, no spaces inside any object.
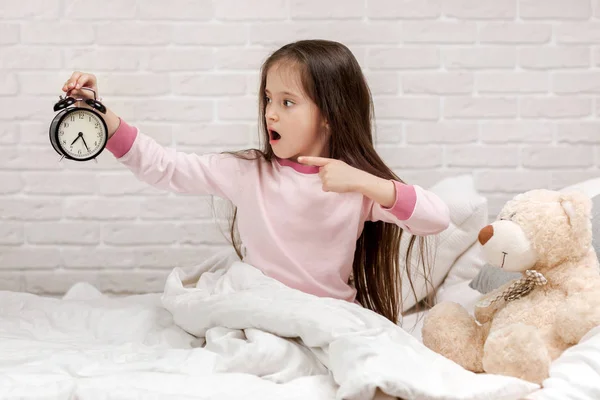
{"x":521,"y":327}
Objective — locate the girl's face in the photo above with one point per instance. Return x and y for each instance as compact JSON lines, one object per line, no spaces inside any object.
{"x":293,"y":120}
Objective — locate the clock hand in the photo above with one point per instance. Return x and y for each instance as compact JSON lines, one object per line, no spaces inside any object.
{"x":85,"y":144}
{"x":79,"y":135}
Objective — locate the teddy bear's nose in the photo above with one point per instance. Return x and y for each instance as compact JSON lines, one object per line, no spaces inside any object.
{"x":485,"y":234}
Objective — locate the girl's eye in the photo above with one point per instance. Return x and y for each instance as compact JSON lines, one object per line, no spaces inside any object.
{"x":267,"y":99}
{"x":287,"y":103}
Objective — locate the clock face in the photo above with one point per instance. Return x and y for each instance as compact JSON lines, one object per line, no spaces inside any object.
{"x":82,"y":134}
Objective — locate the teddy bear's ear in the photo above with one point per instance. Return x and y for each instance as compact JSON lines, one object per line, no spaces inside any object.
{"x":575,"y":202}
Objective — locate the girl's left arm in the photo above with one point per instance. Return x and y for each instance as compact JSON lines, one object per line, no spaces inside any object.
{"x":419,"y":211}
{"x":411,"y":207}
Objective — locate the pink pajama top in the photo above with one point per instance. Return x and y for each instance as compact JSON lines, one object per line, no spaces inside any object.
{"x":290,"y":228}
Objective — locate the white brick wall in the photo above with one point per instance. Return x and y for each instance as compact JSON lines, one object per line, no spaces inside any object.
{"x":505,"y":89}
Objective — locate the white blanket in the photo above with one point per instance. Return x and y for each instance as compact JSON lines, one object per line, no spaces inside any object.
{"x":257,"y":339}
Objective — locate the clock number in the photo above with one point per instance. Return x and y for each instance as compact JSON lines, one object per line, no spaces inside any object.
{"x":60,"y":133}
{"x":72,"y":118}
{"x":66,"y":125}
{"x":96,"y":143}
{"x":79,"y":152}
{"x":81,"y":115}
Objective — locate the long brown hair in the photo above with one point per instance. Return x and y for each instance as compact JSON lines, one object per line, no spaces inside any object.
{"x":333,"y":80}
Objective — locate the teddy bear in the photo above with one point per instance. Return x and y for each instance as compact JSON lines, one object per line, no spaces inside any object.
{"x":519,"y":328}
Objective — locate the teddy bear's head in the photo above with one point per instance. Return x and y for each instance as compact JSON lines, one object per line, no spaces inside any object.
{"x":540,"y":227}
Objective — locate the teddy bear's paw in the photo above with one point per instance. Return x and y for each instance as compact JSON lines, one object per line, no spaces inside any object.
{"x":449,"y":330}
{"x":577,"y":316}
{"x":517,"y":350}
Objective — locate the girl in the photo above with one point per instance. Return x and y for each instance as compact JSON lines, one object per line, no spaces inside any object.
{"x":316,"y":205}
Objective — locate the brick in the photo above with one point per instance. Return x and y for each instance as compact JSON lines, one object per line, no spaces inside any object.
{"x":557,"y":156}
{"x":98,"y":258}
{"x":480,"y":9}
{"x":161,"y":132}
{"x":441,"y":132}
{"x":176,"y":208}
{"x":348,"y":32}
{"x":415,"y":157}
{"x":515,"y":82}
{"x":577,"y":33}
{"x":9,"y":133}
{"x":9,"y":33}
{"x":133,"y":33}
{"x":85,"y":209}
{"x":403,"y":58}
{"x":555,"y":9}
{"x":203,"y":233}
{"x":480,"y":107}
{"x":195,"y":10}
{"x":102,"y":59}
{"x":53,"y":32}
{"x":26,"y":108}
{"x":64,"y":183}
{"x":411,"y":108}
{"x":428,"y":177}
{"x":237,"y":109}
{"x":213,"y":134}
{"x":563,"y":107}
{"x":39,"y":83}
{"x":108,"y":9}
{"x":554,"y":57}
{"x":11,"y":281}
{"x":511,"y":180}
{"x":407,"y":9}
{"x":134,"y":84}
{"x":30,"y":9}
{"x":170,"y":257}
{"x":209,"y":34}
{"x":12,"y":233}
{"x":227,"y":58}
{"x":209,"y":84}
{"x":11,"y":183}
{"x":8,"y":84}
{"x":439,"y":32}
{"x":124,"y":184}
{"x":514,"y":33}
{"x":437,"y":83}
{"x":173,"y":109}
{"x":333,"y":9}
{"x":154,"y":233}
{"x":578,"y":132}
{"x":60,"y":233}
{"x":170,"y":60}
{"x":482,"y":156}
{"x":517,"y":132}
{"x":22,"y":158}
{"x":29,"y":58}
{"x":383,"y":82}
{"x":239,"y":10}
{"x":24,"y":257}
{"x":388,"y":132}
{"x":479,"y":58}
{"x":576,"y":83}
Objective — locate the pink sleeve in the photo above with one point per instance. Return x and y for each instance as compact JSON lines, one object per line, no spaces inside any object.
{"x":417,"y":210}
{"x":167,"y":169}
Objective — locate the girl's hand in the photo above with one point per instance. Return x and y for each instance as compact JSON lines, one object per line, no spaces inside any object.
{"x":339,"y":177}
{"x":73,"y":85}
{"x":336,"y":175}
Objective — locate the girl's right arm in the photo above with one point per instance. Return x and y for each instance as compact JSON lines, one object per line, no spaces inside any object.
{"x":164,"y":168}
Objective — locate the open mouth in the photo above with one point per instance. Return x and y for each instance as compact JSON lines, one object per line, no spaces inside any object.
{"x":274,"y":135}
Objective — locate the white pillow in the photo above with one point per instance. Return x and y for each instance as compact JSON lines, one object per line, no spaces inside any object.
{"x":468,"y":214}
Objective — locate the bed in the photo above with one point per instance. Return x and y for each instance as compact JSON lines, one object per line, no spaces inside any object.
{"x":221,"y":330}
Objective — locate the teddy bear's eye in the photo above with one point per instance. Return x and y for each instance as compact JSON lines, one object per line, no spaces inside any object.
{"x":510,"y":217}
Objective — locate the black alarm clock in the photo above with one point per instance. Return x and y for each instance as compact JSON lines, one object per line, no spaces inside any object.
{"x":79,"y":133}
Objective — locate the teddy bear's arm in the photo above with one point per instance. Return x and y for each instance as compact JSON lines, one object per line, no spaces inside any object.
{"x":485,"y":314}
{"x":578,"y":315}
